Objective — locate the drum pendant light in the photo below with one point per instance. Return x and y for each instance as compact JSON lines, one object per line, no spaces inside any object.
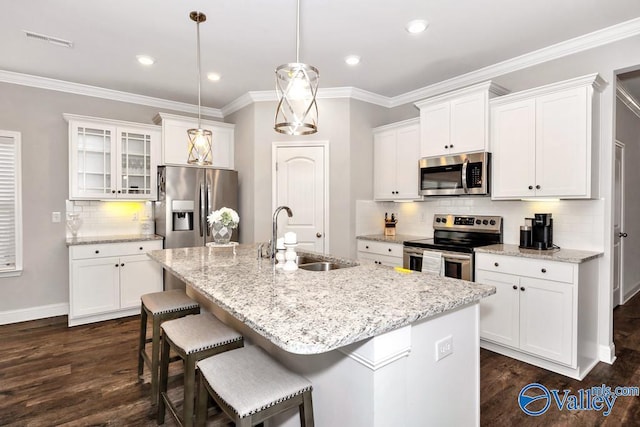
{"x":199,"y":139}
{"x":296,"y":87}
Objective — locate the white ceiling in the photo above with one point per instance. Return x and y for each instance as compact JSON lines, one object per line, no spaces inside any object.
{"x":244,"y":40}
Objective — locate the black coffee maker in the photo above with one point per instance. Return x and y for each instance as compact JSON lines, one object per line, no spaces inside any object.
{"x":542,"y":231}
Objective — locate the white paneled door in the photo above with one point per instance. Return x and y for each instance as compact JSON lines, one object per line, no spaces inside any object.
{"x":618,"y":234}
{"x":300,"y":183}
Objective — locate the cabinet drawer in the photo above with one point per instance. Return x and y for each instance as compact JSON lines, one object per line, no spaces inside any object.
{"x":391,"y":261}
{"x":113,"y":249}
{"x":380,"y":248}
{"x":538,"y":268}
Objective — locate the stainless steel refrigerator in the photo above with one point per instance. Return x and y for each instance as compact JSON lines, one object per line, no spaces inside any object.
{"x":186,"y":195}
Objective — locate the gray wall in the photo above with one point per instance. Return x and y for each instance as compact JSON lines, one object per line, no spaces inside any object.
{"x":37,"y":114}
{"x":628,"y":132}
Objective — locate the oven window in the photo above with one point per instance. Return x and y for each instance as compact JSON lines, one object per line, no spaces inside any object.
{"x":453,"y":269}
{"x":441,"y":177}
{"x":415,"y":262}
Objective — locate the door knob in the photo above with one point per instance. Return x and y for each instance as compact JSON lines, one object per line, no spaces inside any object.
{"x":318,"y":234}
{"x":622,"y":234}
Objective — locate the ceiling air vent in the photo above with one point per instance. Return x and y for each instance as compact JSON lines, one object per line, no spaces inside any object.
{"x":52,"y":40}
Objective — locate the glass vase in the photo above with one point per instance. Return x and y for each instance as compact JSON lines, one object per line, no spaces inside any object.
{"x":221,"y":233}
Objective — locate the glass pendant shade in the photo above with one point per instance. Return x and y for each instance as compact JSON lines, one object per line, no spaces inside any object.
{"x":199,"y":147}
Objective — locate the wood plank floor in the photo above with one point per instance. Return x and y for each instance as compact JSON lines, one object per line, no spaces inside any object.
{"x":51,"y":375}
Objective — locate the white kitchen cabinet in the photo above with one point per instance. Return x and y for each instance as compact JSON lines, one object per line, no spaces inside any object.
{"x":544,"y":141}
{"x":175,"y":142}
{"x":395,"y":161}
{"x":110,"y":159}
{"x":540,"y":312}
{"x":383,"y":253}
{"x":107,"y":280}
{"x":457,"y":122}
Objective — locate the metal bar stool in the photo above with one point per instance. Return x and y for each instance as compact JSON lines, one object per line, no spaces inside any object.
{"x":160,"y":306}
{"x":192,"y":338}
{"x":251,"y":387}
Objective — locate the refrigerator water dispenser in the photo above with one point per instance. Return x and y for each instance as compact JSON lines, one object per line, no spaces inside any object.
{"x":182,"y":215}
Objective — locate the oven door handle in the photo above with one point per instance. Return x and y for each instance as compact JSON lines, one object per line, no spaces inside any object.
{"x":448,"y":256}
{"x":464,"y":176}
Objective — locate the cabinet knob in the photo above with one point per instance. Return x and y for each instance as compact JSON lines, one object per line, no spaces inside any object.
{"x":450,"y":145}
{"x":366,"y":247}
{"x":119,"y":191}
{"x":446,"y":146}
{"x":97,"y":251}
{"x":141,"y":248}
{"x":544,"y":270}
{"x":122,"y":265}
{"x":537,"y":187}
{"x":515,"y":288}
{"x":389,"y":249}
{"x":531,"y":187}
{"x":113,"y":191}
{"x":522,"y":288}
{"x":496,"y":264}
{"x":116,"y":265}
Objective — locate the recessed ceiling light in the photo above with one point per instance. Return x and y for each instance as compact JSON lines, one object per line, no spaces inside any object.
{"x":145,"y":59}
{"x":214,"y":77}
{"x":416,"y":26}
{"x":352,"y":59}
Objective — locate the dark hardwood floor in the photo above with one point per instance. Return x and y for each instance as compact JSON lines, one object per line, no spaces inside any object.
{"x":51,"y":375}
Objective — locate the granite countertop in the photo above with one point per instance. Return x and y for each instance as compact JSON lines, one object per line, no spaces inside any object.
{"x":398,"y":238}
{"x":309,"y":312}
{"x":90,"y":240}
{"x":563,"y":255}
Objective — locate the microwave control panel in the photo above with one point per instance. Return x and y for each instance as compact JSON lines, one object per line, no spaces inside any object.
{"x":474,"y":175}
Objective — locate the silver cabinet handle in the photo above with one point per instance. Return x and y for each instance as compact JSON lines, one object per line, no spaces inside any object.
{"x":318,"y":234}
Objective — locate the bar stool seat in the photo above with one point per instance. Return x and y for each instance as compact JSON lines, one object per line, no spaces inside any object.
{"x":192,"y":338}
{"x":250,"y":387}
{"x":160,"y":306}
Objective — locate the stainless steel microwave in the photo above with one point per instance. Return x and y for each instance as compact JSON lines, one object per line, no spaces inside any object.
{"x":455,"y":175}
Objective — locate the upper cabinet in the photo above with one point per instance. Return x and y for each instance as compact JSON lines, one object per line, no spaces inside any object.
{"x":544,"y":141}
{"x":457,"y":122}
{"x":110,"y":159}
{"x":175,"y":142}
{"x":396,"y":150}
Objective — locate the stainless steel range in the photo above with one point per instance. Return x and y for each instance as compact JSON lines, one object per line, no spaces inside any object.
{"x":454,"y":238}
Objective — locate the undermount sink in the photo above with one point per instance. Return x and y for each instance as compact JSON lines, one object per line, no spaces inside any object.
{"x":321,"y":266}
{"x":317,"y":263}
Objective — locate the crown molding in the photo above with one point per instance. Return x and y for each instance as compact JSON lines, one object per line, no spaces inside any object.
{"x":627,"y":99}
{"x":569,"y":47}
{"x":98,"y":92}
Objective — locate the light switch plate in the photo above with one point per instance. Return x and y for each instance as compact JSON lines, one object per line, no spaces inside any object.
{"x":55,"y":216}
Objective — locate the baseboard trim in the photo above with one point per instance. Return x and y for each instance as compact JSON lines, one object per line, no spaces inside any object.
{"x":632,"y":293}
{"x":33,"y":313}
{"x":607,"y":354}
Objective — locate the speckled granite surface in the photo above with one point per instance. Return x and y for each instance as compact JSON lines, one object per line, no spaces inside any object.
{"x":398,"y":238}
{"x":563,"y":255}
{"x":308,"y":312}
{"x":90,"y":240}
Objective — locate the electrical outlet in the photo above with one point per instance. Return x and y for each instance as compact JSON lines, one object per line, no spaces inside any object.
{"x":444,"y":347}
{"x":135,"y":216}
{"x":55,"y":217}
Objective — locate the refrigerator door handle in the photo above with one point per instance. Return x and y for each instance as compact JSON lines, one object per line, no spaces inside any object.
{"x":208,"y":208}
{"x":202,"y":209}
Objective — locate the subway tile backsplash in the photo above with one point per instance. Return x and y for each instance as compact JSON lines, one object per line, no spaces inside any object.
{"x":107,"y":218}
{"x":577,"y":224}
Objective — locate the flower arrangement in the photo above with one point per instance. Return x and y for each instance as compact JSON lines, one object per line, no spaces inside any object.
{"x":226,"y":216}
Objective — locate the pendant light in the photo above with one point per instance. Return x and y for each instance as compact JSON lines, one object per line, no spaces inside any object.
{"x":199,"y":139}
{"x":297,"y":86}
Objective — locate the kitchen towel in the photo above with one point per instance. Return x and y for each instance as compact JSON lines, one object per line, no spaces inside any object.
{"x":432,"y":262}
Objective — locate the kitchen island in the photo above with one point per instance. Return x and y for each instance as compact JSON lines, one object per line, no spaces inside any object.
{"x":366,"y":335}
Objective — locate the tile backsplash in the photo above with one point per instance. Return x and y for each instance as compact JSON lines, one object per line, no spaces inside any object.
{"x":105,"y":218}
{"x":577,"y":224}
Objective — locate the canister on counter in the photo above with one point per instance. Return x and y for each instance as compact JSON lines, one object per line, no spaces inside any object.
{"x":526,"y":240}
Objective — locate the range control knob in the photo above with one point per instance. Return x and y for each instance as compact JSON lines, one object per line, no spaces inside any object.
{"x":492,"y":222}
{"x":485,"y":222}
{"x":444,"y":220}
{"x":478,"y":222}
{"x":438,"y":220}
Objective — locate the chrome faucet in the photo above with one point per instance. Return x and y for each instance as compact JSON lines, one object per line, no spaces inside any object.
{"x":274,"y":230}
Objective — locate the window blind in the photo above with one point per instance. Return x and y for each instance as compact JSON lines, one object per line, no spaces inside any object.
{"x":10,"y":204}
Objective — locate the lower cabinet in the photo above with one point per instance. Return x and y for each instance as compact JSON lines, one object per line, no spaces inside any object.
{"x":534,"y":315}
{"x":107,"y":280}
{"x":383,"y":253}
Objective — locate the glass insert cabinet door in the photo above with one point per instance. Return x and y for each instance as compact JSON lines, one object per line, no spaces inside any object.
{"x":135,"y":167}
{"x":94,"y":159}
